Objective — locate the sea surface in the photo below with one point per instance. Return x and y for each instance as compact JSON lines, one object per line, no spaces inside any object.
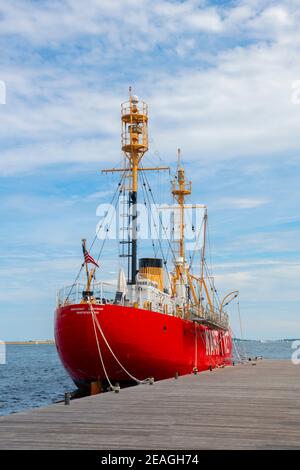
{"x":33,"y":375}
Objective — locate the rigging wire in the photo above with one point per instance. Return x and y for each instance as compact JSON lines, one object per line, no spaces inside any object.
{"x":154,"y":223}
{"x":106,"y":233}
{"x":107,"y":230}
{"x":193,"y":230}
{"x":96,"y":236}
{"x":196,"y":244}
{"x":155,"y":249}
{"x":117,"y":192}
{"x":164,"y":228}
{"x":74,"y":283}
{"x":235,"y":347}
{"x":209,"y":246}
{"x":241,"y":329}
{"x":211,"y":284}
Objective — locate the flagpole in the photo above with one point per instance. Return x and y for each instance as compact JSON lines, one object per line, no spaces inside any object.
{"x":86,"y":264}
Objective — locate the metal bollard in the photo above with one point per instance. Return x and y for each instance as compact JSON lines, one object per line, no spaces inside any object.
{"x":176,"y":375}
{"x":151,"y":380}
{"x":67,"y":398}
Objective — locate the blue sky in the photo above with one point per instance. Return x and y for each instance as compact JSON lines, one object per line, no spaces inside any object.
{"x":217,"y":77}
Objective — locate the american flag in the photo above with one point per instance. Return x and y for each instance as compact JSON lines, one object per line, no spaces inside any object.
{"x":89,"y":259}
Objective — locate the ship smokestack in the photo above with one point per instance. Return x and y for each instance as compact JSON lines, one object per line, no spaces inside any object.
{"x":152,"y":269}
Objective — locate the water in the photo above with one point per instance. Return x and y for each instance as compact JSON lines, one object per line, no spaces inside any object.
{"x":267,"y":349}
{"x":34,"y":376}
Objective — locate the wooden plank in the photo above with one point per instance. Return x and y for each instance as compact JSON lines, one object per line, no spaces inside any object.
{"x":241,"y":407}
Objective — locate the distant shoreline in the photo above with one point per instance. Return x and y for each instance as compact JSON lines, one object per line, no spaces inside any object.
{"x":51,"y":341}
{"x":48,"y":341}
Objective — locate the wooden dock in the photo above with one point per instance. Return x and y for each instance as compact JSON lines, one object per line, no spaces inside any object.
{"x":241,"y":407}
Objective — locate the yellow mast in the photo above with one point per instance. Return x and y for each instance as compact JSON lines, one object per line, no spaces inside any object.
{"x":180,"y":190}
{"x":134,"y":117}
{"x":134,"y":138}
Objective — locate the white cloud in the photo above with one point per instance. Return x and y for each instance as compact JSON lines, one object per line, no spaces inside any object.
{"x":142,"y":23}
{"x":99,"y":195}
{"x":114,"y":19}
{"x":218,"y":83}
{"x":253,"y":264}
{"x":280,"y":241}
{"x":241,"y":203}
{"x":238,"y":107}
{"x":264,"y":283}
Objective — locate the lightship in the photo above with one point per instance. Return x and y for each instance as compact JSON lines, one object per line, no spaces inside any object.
{"x":156,"y":322}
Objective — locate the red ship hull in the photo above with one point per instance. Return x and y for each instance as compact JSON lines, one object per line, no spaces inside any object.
{"x":146,"y":343}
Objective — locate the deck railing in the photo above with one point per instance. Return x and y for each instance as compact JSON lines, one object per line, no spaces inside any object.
{"x":102,"y":292}
{"x":210,"y":316}
{"x":105,"y":293}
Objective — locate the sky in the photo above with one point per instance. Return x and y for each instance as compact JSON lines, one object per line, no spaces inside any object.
{"x":220,"y":79}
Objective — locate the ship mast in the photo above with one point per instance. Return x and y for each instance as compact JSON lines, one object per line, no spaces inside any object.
{"x":134,"y":115}
{"x":180,"y":190}
{"x":183,"y":277}
{"x":134,"y":141}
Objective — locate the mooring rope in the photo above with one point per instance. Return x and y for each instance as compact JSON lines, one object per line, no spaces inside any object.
{"x":244,"y":352}
{"x":241,"y":359}
{"x":95,"y":320}
{"x":100,"y":354}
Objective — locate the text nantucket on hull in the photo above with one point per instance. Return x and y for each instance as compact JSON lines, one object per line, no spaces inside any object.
{"x":155,"y":322}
